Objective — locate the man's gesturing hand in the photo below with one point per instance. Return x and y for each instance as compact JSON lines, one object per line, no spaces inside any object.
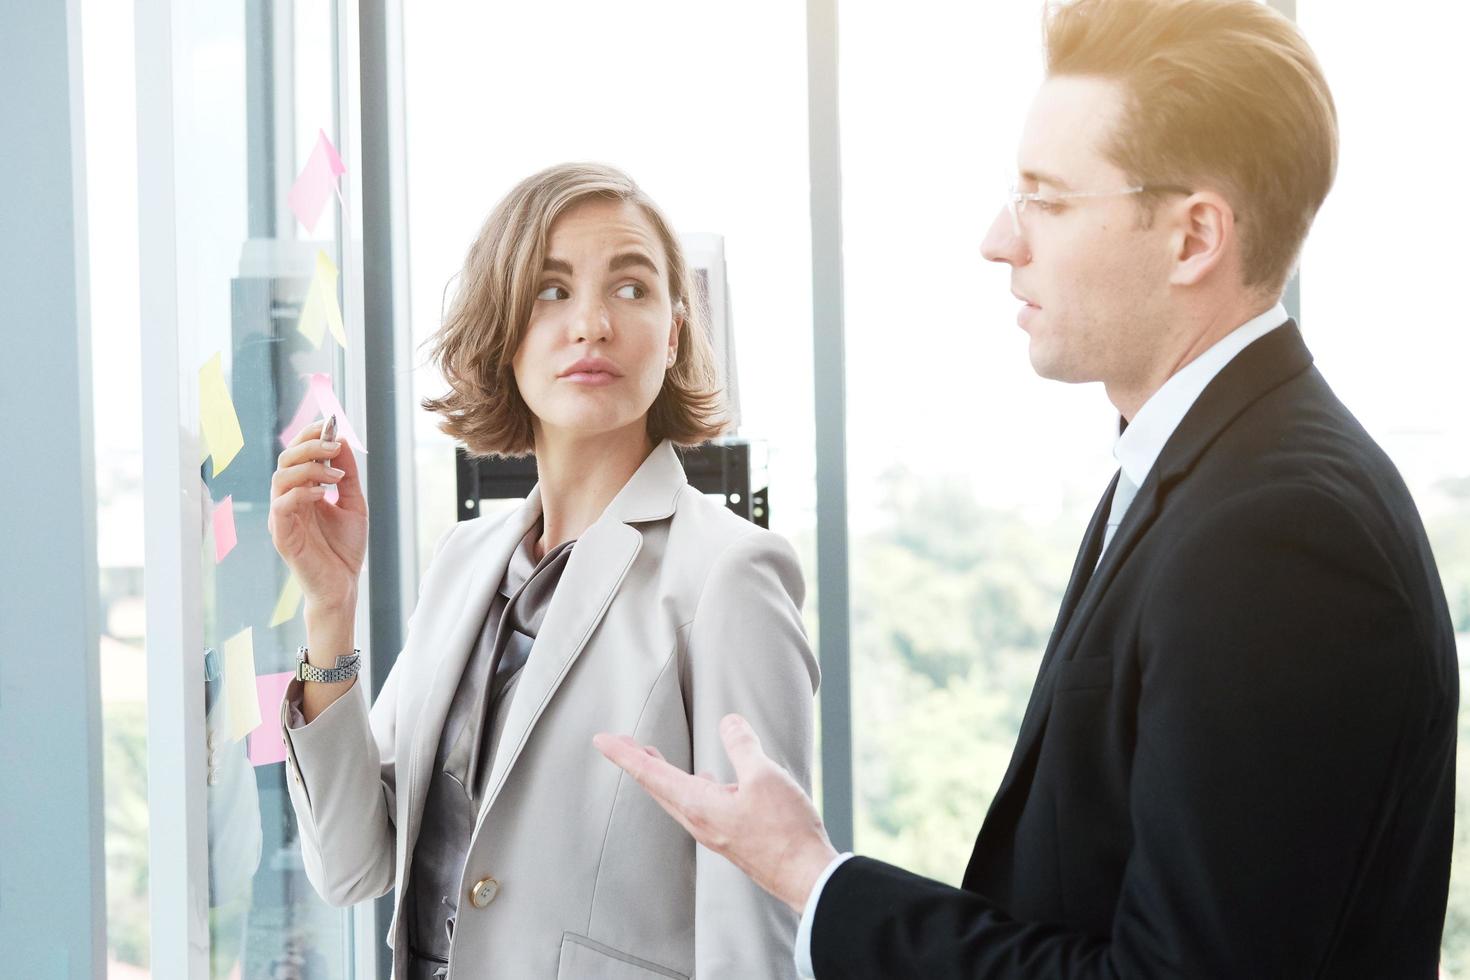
{"x":763,"y":824}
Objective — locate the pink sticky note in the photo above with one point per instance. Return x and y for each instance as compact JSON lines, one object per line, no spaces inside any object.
{"x":328,"y":404}
{"x":333,"y":160}
{"x":319,"y":402}
{"x":265,"y":743}
{"x":316,"y":182}
{"x":224,"y":528}
{"x":305,"y":415}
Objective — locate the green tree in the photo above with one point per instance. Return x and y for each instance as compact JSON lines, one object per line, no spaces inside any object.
{"x":952,"y":607}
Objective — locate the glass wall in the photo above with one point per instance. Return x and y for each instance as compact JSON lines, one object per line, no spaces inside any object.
{"x":112,"y":223}
{"x":1381,"y":303}
{"x":269,"y":325}
{"x":271,"y":345}
{"x":970,"y":479}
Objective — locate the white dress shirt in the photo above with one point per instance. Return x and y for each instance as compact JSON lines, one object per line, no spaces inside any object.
{"x":1136,"y":450}
{"x":1139,"y":445}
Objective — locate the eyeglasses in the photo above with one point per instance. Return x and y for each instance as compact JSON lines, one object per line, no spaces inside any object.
{"x":1016,"y":200}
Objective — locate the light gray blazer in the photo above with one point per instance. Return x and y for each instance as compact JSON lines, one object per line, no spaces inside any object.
{"x":671,"y":612}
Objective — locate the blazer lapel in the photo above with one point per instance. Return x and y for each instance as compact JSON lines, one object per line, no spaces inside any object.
{"x":598,"y":564}
{"x":1140,"y":517}
{"x":1263,"y":366}
{"x":1082,"y":570}
{"x":457,"y":641}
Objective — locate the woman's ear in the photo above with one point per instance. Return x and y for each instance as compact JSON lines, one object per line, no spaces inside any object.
{"x":675,"y":326}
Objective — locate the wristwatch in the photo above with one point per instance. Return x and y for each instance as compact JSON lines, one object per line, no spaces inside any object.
{"x":345,"y":669}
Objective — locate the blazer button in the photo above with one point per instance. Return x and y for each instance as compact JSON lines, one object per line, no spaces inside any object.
{"x":484,"y":892}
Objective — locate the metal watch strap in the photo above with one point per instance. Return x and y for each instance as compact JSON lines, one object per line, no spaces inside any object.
{"x":345,"y":669}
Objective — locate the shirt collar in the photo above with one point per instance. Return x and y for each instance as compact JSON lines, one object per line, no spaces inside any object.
{"x":1140,"y":443}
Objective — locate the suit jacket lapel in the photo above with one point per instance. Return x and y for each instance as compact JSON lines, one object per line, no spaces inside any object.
{"x":1140,"y":517}
{"x":1258,"y":369}
{"x":1263,"y":366}
{"x":1082,"y":570}
{"x":598,"y":564}
{"x":457,"y":641}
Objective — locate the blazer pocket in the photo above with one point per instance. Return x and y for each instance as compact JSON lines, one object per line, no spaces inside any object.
{"x":587,"y":959}
{"x":1085,"y":674}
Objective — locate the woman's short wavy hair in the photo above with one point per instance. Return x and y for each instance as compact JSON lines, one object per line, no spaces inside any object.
{"x":475,"y":347}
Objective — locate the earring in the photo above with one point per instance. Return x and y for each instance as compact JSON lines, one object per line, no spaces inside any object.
{"x":673,"y":355}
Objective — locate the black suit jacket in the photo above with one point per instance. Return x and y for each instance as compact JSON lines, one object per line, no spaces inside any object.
{"x":1238,"y":758}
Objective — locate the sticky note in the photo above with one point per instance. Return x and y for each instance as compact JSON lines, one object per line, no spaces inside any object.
{"x":219,"y":426}
{"x":327,"y":400}
{"x":320,"y":311}
{"x":334,"y":162}
{"x":288,"y":603}
{"x":240,"y":693}
{"x":316,"y":182}
{"x":266,"y":744}
{"x":224,"y":528}
{"x":319,"y":402}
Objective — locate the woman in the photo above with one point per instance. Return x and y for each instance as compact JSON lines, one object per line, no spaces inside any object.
{"x":615,"y":598}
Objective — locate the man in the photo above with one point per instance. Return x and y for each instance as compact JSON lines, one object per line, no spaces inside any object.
{"x":1238,"y":758}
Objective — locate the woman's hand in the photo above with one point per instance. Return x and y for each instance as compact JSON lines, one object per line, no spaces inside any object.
{"x":322,"y":543}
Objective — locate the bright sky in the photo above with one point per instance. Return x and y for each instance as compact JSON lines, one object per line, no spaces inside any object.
{"x":706,"y":105}
{"x":1384,"y":270}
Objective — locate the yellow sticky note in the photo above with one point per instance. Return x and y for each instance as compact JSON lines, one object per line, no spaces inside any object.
{"x":218,"y":423}
{"x":240,"y":692}
{"x":288,"y":603}
{"x":313,"y":322}
{"x":320,"y":311}
{"x":326,"y":272}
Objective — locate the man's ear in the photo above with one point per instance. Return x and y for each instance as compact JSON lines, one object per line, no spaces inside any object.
{"x":1204,"y":237}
